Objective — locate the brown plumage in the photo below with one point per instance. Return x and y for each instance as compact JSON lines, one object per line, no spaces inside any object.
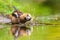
{"x":13,"y":19}
{"x":19,"y":18}
{"x":23,"y":18}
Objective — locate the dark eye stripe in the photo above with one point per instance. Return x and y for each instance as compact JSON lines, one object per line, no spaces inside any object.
{"x":14,"y":15}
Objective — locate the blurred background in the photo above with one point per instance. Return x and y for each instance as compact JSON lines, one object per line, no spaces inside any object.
{"x":36,"y":8}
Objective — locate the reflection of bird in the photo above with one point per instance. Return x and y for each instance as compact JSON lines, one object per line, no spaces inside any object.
{"x":20,"y":31}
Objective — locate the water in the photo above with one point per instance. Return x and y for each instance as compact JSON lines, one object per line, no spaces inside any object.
{"x":46,"y":32}
{"x":42,"y":32}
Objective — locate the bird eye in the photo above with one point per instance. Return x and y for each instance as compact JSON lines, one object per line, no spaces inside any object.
{"x":28,"y":17}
